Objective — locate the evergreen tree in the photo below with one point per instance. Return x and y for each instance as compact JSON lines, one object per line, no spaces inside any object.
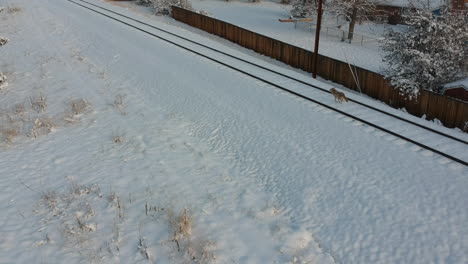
{"x":432,"y":51}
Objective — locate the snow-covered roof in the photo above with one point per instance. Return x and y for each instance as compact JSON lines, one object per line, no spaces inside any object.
{"x":430,"y":4}
{"x":458,"y":84}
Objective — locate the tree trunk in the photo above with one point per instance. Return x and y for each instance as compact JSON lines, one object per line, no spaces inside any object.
{"x":352,"y":23}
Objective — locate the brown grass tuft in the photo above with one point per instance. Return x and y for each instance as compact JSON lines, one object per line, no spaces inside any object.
{"x":13,"y":9}
{"x":3,"y":81}
{"x":10,"y":134}
{"x":38,"y":104}
{"x":79,"y":106}
{"x":19,"y":109}
{"x":42,"y":126}
{"x":3,"y":41}
{"x":119,"y":104}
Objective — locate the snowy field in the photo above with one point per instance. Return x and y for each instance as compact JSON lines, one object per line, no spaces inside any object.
{"x":117,"y":147}
{"x":263,"y":18}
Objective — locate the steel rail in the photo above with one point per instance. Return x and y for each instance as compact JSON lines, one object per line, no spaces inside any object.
{"x":281,"y":74}
{"x":280,"y":87}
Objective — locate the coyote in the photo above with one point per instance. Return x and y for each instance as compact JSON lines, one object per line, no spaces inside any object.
{"x":339,"y":96}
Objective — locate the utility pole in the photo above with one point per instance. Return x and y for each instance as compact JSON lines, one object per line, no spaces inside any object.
{"x":317,"y":38}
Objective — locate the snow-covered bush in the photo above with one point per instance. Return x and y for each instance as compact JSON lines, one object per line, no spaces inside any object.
{"x":430,"y":52}
{"x":205,"y":13}
{"x":303,"y":8}
{"x":163,"y":7}
{"x":144,"y":2}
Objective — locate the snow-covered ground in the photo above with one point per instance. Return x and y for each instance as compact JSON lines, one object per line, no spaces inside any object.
{"x":263,"y":18}
{"x":126,"y":131}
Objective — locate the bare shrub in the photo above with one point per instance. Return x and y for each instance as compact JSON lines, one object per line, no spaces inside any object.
{"x":196,"y":250}
{"x":119,"y":104}
{"x":115,"y":201}
{"x":79,"y":190}
{"x":181,"y":225}
{"x":10,"y":134}
{"x":70,"y":118}
{"x":150,"y":209}
{"x":3,"y":41}
{"x":19,"y":109}
{"x":201,"y":251}
{"x":42,"y":126}
{"x":13,"y":9}
{"x":79,"y":106}
{"x":143,"y":248}
{"x":117,"y":139}
{"x":50,"y":200}
{"x":38,"y":104}
{"x":76,"y":217}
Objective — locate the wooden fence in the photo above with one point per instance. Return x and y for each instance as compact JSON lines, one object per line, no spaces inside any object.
{"x":451,"y":112}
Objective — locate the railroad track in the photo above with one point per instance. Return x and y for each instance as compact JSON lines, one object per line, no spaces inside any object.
{"x":101,"y":10}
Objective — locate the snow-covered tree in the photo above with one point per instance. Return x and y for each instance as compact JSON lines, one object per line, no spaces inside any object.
{"x":352,"y":10}
{"x":431,"y":51}
{"x":144,"y":2}
{"x":303,"y":8}
{"x":163,"y":7}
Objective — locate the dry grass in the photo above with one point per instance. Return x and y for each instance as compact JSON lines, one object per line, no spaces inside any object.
{"x":19,"y":109}
{"x":117,"y":139}
{"x":195,"y":249}
{"x":3,"y":80}
{"x":13,"y":9}
{"x":42,"y":126}
{"x":50,"y":200}
{"x":3,"y":41}
{"x":143,"y":248}
{"x":118,"y":204}
{"x":79,"y":106}
{"x":70,"y":119}
{"x":10,"y":134}
{"x":180,"y":226}
{"x":38,"y":104}
{"x":119,"y":104}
